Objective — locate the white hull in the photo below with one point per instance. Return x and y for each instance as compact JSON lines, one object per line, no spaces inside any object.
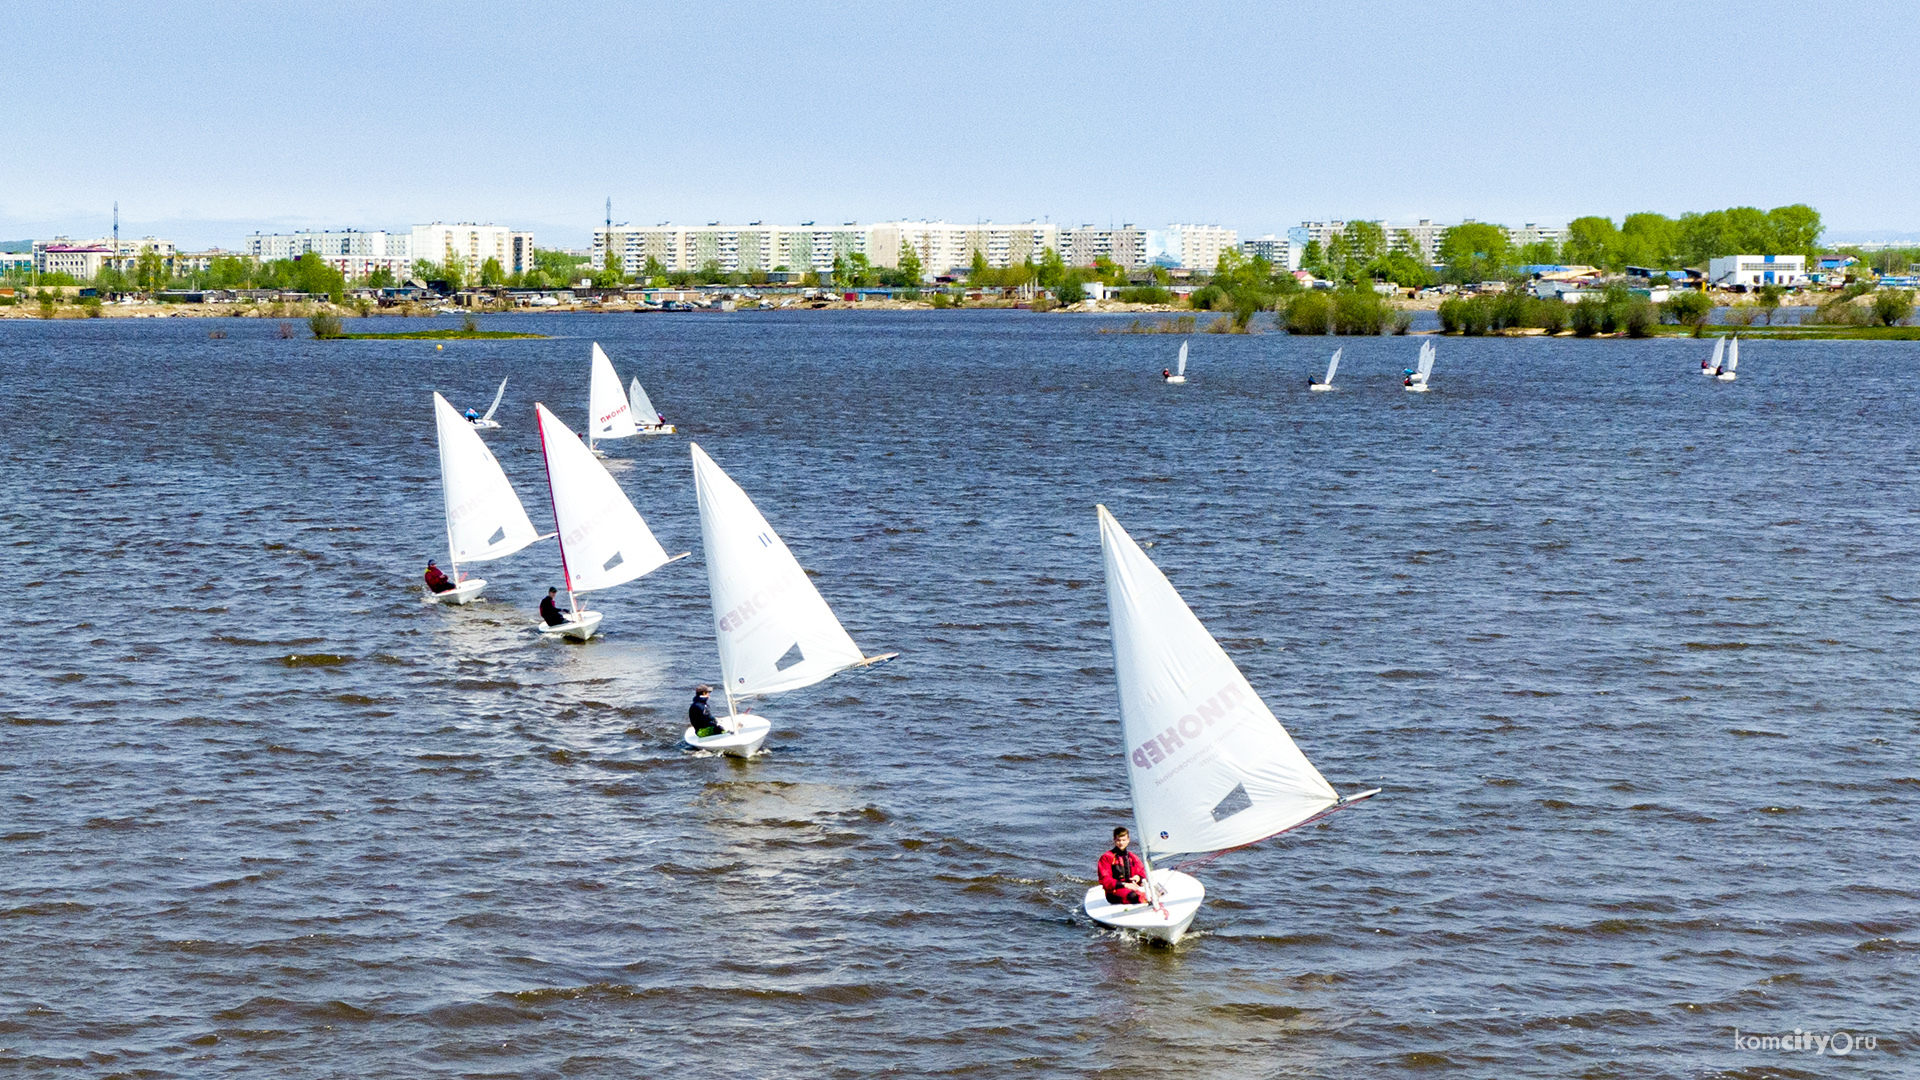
{"x":578,"y":627}
{"x":486,"y":425}
{"x":1727,"y":376}
{"x":1707,"y":371}
{"x":1417,"y":388}
{"x":745,"y":741}
{"x":1166,"y":921}
{"x":464,"y":593}
{"x":1176,"y":378}
{"x":1319,"y":387}
{"x":658,"y":429}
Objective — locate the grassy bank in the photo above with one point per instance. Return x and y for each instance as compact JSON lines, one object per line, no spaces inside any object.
{"x":439,"y":335}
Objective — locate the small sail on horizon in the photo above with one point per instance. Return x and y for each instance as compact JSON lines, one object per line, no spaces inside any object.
{"x":603,"y":540}
{"x":610,"y":416}
{"x":1733,"y":353}
{"x":773,"y":629}
{"x":1182,"y":369}
{"x":1209,"y":766}
{"x":485,"y":519}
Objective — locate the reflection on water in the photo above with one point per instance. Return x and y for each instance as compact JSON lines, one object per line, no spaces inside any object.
{"x":1625,"y":647}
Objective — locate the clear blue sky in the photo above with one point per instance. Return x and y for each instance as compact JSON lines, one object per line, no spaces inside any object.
{"x":207,"y":121}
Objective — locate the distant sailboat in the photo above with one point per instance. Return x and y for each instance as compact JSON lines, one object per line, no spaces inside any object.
{"x":773,"y":629}
{"x":487,"y":422}
{"x":649,"y":421}
{"x":1332,"y":366}
{"x":1712,"y":367}
{"x":1733,"y":360}
{"x":1416,"y":380}
{"x":610,"y":416}
{"x":1180,"y":372}
{"x":603,"y":540}
{"x":1209,"y":766}
{"x":485,"y":520}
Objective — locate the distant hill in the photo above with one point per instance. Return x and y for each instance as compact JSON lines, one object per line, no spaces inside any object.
{"x":16,"y":247}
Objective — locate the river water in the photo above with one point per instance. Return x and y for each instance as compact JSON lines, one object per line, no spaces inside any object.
{"x":1630,"y":651}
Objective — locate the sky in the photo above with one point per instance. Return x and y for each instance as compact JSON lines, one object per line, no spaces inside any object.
{"x":209,"y":121}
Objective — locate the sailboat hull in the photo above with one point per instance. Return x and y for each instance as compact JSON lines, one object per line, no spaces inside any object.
{"x":486,"y":425}
{"x":1727,"y":376}
{"x":1165,"y":922}
{"x":1319,"y":387}
{"x":744,"y":742}
{"x":464,"y":593}
{"x":1417,"y":388}
{"x":658,"y":429}
{"x":1176,"y":378}
{"x":579,"y":627}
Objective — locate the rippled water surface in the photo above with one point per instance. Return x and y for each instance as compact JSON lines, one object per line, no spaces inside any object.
{"x":1631,"y":652}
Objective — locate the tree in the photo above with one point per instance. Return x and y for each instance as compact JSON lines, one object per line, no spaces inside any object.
{"x":655,"y":271}
{"x":381,"y":278}
{"x":455,"y":271}
{"x":150,"y":271}
{"x":910,"y":267}
{"x":1892,"y":306}
{"x":1364,"y":241}
{"x":1052,"y":268}
{"x":1769,"y":301}
{"x":1313,"y":259}
{"x":1474,"y":251}
{"x":310,"y":274}
{"x":1592,"y":241}
{"x":492,"y":273}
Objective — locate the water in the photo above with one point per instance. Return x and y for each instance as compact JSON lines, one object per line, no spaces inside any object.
{"x":1631,"y":652}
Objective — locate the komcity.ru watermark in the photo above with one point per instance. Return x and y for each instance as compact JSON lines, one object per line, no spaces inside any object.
{"x":1839,"y":1043}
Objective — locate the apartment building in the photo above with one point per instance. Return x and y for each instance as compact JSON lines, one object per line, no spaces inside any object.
{"x":1125,"y":247}
{"x":86,"y":258}
{"x":944,"y":247}
{"x":1194,"y":247}
{"x":1281,"y":252}
{"x":733,"y":249}
{"x":473,"y":245}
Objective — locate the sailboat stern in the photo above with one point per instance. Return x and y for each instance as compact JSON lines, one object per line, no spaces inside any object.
{"x":744,"y":741}
{"x":464,"y":593}
{"x":1166,"y":921}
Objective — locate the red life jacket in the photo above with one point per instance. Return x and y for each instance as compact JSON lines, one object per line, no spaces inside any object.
{"x":1117,"y":866}
{"x":435,"y":578}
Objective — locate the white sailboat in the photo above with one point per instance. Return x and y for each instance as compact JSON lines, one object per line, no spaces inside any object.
{"x":1333,"y":365}
{"x":1180,"y":370}
{"x":773,"y":629}
{"x":1733,"y":360}
{"x":1209,"y":766}
{"x":649,"y":421}
{"x":1416,"y":380}
{"x":610,"y":416}
{"x":485,"y":520}
{"x":487,"y":422}
{"x":1712,"y":367}
{"x":603,"y":540}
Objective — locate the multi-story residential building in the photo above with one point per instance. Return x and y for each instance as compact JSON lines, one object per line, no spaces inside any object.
{"x":1281,"y":252}
{"x":1194,"y":247}
{"x":16,"y":262}
{"x":82,"y":259}
{"x":473,"y":245}
{"x":1535,"y":234}
{"x":1420,"y":240}
{"x":355,"y":253}
{"x":1125,"y":247}
{"x":732,"y":249}
{"x":944,"y":247}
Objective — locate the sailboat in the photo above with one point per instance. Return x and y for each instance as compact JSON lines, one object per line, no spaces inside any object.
{"x":1733,"y":360}
{"x":1712,"y":367}
{"x":1416,"y":380}
{"x":485,"y":520}
{"x":649,"y":421}
{"x":603,"y":540}
{"x":1327,"y":383}
{"x":773,"y":629}
{"x":1209,"y":766}
{"x":609,"y":415}
{"x":487,"y":422}
{"x":1180,"y":371}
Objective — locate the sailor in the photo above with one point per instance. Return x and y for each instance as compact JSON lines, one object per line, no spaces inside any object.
{"x":700,"y":715}
{"x":473,"y":416}
{"x":1122,"y":874}
{"x":550,"y":611}
{"x":436,"y":580}
{"x":1166,"y":373}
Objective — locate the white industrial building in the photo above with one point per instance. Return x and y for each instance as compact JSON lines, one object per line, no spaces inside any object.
{"x":1751,"y":271}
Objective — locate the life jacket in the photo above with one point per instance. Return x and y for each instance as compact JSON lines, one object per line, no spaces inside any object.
{"x":1123,"y":868}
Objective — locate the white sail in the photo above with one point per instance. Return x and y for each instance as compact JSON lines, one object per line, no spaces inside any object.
{"x":1333,"y":365}
{"x":1719,"y":353}
{"x":1733,"y":353}
{"x":603,"y":539}
{"x":642,"y":405}
{"x":610,"y":416}
{"x":484,"y":517}
{"x":497,"y":395}
{"x":774,"y":631}
{"x":1209,"y":765}
{"x":1426,"y":361}
{"x":1182,"y":369}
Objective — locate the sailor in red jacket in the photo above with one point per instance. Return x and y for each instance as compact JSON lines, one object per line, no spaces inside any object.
{"x":437,"y":580}
{"x":1122,"y":873}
